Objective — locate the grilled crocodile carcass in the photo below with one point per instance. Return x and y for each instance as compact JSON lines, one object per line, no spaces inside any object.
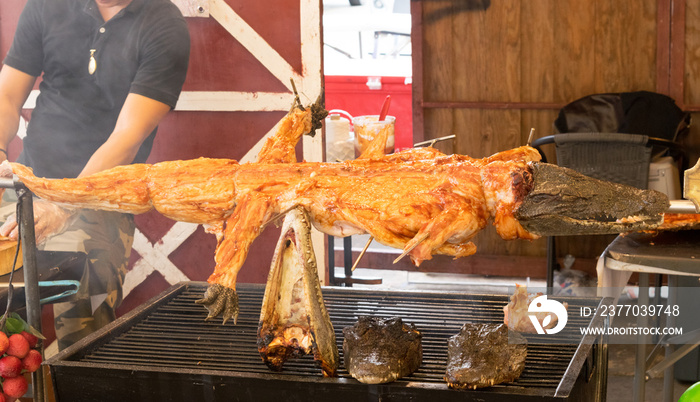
{"x":419,"y":200}
{"x":480,"y":355}
{"x":293,"y":319}
{"x":379,"y":350}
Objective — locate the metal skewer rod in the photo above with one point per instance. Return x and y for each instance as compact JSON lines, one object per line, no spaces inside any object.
{"x":362,"y":253}
{"x":274,"y":218}
{"x":682,"y":207}
{"x":531,"y":136}
{"x":434,"y":140}
{"x":405,"y":252}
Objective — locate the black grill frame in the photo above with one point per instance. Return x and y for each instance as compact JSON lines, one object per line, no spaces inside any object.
{"x":165,"y":351}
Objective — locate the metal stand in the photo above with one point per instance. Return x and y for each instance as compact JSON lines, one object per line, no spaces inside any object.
{"x":347,"y":259}
{"x":31,"y":276}
{"x":669,"y":253}
{"x":639,"y":383}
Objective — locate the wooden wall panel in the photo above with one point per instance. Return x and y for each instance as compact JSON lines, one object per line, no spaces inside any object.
{"x":440,"y":123}
{"x":537,"y":34}
{"x":625,"y":45}
{"x":439,"y":54}
{"x":538,"y":51}
{"x":499,"y":130}
{"x":486,"y":53}
{"x":492,"y":71}
{"x":572,"y":57}
{"x":468,"y":62}
{"x":689,"y":68}
{"x":542,"y":121}
{"x":692,"y":55}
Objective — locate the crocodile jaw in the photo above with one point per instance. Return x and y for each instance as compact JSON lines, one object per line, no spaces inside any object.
{"x":293,"y":319}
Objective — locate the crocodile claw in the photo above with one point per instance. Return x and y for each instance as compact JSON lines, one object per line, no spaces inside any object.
{"x":220,"y":300}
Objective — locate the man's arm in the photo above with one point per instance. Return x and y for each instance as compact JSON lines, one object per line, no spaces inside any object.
{"x":15,"y":87}
{"x":137,"y":119}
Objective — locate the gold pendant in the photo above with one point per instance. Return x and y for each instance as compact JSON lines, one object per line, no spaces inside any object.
{"x":92,"y":65}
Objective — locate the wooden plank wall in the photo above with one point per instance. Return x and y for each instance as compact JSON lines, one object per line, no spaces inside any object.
{"x":514,"y":63}
{"x":686,"y":20}
{"x":490,"y":71}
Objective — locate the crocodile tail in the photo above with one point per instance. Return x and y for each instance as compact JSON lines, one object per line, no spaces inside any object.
{"x":122,"y":188}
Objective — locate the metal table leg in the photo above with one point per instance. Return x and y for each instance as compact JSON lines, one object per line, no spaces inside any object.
{"x":551,"y":262}
{"x":331,"y":260}
{"x":31,"y":276}
{"x":347,"y":259}
{"x":640,"y":358}
{"x":670,"y":323}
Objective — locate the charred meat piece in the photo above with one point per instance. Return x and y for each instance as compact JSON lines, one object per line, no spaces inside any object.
{"x":481,"y":356}
{"x":380,"y":350}
{"x":293,"y":319}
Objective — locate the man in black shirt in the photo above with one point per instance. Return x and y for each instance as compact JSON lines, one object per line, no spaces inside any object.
{"x":112,"y":69}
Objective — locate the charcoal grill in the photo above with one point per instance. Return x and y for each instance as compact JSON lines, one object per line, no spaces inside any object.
{"x":165,"y":351}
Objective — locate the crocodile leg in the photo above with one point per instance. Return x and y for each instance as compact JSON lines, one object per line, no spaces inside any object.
{"x":241,"y":229}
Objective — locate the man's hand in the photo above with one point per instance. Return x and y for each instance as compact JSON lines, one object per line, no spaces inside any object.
{"x":5,"y":172}
{"x":49,"y":219}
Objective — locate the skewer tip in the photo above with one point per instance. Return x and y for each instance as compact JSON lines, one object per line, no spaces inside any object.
{"x":408,"y":250}
{"x":531,"y":136}
{"x":362,"y":253}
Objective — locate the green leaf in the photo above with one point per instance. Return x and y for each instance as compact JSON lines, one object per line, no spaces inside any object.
{"x":14,"y":325}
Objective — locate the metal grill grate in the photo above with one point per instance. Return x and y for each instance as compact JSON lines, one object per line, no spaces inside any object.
{"x":171,"y":335}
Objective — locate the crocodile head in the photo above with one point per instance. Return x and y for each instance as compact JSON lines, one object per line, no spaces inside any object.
{"x":565,"y":202}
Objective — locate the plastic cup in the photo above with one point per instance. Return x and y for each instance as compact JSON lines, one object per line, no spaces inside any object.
{"x":367,"y":128}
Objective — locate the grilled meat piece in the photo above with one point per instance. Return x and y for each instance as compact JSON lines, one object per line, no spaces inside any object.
{"x":380,"y":350}
{"x":517,"y":317}
{"x":674,"y":222}
{"x":293,"y":319}
{"x":481,"y":356}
